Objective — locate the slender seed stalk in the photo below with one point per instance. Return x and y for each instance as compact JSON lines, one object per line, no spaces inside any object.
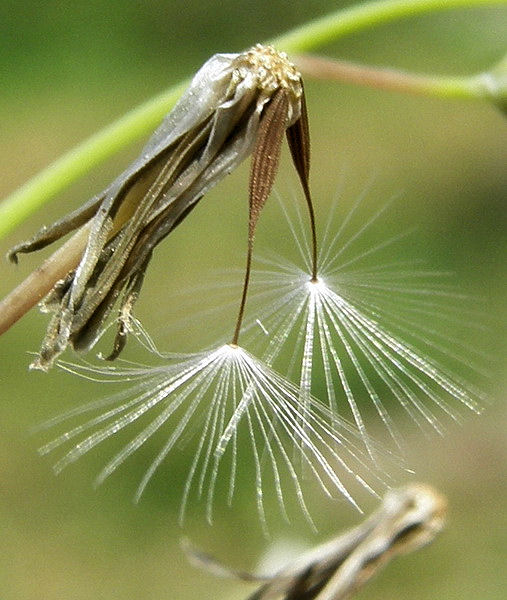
{"x":313,"y":232}
{"x":249,"y":256}
{"x":265,"y":159}
{"x":242,"y":305}
{"x":248,"y":269}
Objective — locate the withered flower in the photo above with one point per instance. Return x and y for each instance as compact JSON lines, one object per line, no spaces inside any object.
{"x":237,"y":104}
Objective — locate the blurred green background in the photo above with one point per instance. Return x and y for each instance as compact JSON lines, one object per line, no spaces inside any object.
{"x":70,"y":68}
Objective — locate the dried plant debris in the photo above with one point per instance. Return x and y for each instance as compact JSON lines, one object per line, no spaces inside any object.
{"x":409,"y":518}
{"x":236,"y":104}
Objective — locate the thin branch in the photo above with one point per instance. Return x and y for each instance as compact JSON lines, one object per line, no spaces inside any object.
{"x":363,"y":16}
{"x":41,"y":281}
{"x":477,"y":87}
{"x":83,"y":158}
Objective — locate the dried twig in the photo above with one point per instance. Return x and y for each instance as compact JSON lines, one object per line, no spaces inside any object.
{"x":40,"y":282}
{"x":481,"y":86}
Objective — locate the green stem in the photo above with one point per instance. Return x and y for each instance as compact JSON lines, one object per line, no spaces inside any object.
{"x":81,"y":159}
{"x":137,"y":123}
{"x":370,"y":14}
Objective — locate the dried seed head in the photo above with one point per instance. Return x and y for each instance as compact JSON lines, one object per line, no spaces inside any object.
{"x":272,"y":70}
{"x":408,"y":519}
{"x":236,"y":105}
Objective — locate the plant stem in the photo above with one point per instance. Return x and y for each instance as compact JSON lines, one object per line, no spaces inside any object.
{"x":80,"y":160}
{"x":137,"y":123}
{"x":41,"y":281}
{"x":475,"y":87}
{"x":369,"y":14}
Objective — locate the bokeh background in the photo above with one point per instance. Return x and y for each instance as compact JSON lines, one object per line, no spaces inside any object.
{"x":69,"y":69}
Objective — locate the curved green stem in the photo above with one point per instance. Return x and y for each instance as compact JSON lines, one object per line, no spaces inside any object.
{"x":81,"y":159}
{"x":137,"y":123}
{"x":370,"y":14}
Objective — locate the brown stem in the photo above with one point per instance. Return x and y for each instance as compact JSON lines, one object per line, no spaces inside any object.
{"x":318,"y":67}
{"x":246,"y":281}
{"x":41,"y":281}
{"x":313,"y":229}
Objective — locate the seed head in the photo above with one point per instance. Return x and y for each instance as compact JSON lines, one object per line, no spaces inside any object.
{"x":236,"y":105}
{"x":271,"y":69}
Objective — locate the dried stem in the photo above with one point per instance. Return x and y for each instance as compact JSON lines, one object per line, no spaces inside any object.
{"x":41,"y":281}
{"x":318,"y":67}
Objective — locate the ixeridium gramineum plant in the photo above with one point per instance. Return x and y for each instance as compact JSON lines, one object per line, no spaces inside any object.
{"x":236,"y":105}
